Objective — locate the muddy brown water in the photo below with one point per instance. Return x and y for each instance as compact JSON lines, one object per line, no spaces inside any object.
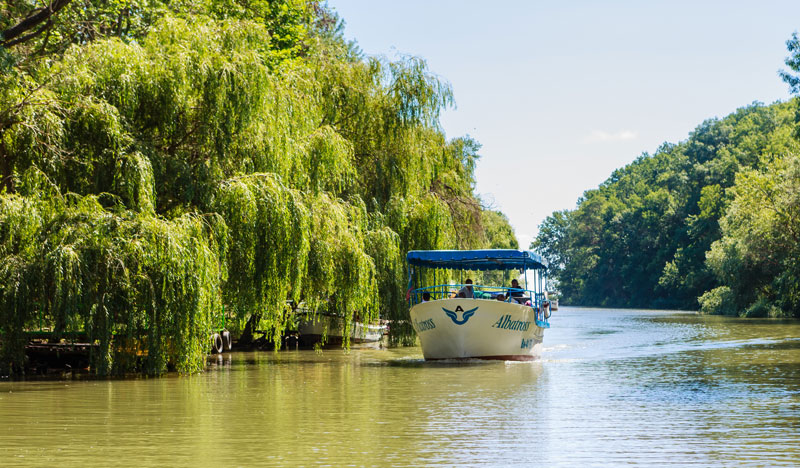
{"x":613,"y":387}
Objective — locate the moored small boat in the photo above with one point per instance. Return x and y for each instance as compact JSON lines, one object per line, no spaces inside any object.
{"x":497,"y":322}
{"x":329,"y":329}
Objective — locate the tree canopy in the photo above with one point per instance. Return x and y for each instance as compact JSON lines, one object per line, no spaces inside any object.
{"x":164,"y":161}
{"x":708,"y":219}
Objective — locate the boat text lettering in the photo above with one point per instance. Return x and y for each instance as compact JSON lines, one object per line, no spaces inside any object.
{"x":424,"y":325}
{"x":526,"y":343}
{"x":506,"y":323}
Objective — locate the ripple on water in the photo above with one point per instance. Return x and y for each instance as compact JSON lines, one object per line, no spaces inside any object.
{"x":612,"y":388}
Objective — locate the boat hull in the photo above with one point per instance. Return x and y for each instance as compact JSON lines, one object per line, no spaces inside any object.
{"x":477,"y":329}
{"x":313,"y":328}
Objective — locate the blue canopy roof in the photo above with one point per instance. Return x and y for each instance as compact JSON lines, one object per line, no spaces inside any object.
{"x":496,"y":259}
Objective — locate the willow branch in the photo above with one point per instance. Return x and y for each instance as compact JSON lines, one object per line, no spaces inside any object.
{"x":16,"y":34}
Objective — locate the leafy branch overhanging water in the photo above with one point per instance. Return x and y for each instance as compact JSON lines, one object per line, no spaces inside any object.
{"x":163,"y":164}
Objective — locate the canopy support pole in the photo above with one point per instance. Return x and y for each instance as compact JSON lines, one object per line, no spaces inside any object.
{"x":525,"y":269}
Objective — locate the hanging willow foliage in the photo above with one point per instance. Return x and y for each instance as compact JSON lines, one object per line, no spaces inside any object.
{"x":142,"y":287}
{"x":383,"y":246}
{"x":268,"y":224}
{"x":198,"y":164}
{"x":327,"y":165}
{"x":341,"y":274}
{"x":199,"y":100}
{"x":423,"y":224}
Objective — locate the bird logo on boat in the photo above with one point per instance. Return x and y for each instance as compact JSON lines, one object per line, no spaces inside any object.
{"x":454,"y":317}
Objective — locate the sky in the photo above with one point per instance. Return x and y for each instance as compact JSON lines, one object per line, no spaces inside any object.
{"x":561,"y":93}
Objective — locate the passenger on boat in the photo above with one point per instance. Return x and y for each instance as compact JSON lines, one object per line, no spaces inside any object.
{"x":515,"y":290}
{"x":426,"y":296}
{"x":467,"y":290}
{"x":500,"y":297}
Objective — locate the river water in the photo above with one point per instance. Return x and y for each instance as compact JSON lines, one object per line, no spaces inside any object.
{"x":613,"y":387}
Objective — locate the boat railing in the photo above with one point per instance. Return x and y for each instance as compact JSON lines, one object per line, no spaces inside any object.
{"x":519,"y":296}
{"x":448,"y":291}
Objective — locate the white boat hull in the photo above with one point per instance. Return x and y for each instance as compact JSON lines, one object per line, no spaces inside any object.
{"x":477,"y":328}
{"x":315,"y":327}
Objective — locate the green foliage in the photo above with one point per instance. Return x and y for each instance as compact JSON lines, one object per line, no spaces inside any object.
{"x":340,"y":270}
{"x":423,"y":224}
{"x":131,"y":282}
{"x":164,"y":161}
{"x":268,"y":227}
{"x":640,"y":239}
{"x":499,"y":234}
{"x":718,"y":301}
{"x":290,"y":23}
{"x":383,"y":246}
{"x":552,"y":243}
{"x":793,"y":62}
{"x":287,"y":21}
{"x":757,"y":253}
{"x":327,"y":164}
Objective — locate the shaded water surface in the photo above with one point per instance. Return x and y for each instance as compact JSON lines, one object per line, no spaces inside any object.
{"x":613,"y":387}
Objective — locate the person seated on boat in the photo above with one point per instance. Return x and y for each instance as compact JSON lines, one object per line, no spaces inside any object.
{"x":500,"y":297}
{"x":426,"y":296}
{"x":467,"y":290}
{"x":515,"y":292}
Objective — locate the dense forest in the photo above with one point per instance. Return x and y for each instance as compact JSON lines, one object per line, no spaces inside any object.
{"x":712,"y":222}
{"x":169,"y":165}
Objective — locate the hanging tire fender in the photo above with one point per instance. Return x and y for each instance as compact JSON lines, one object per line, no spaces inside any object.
{"x":217,"y":346}
{"x":227,"y":340}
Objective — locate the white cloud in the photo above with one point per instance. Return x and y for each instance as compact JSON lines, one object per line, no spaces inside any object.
{"x":622,"y":135}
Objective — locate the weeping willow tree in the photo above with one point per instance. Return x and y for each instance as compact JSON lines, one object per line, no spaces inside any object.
{"x":211,"y":158}
{"x":140,"y":286}
{"x":269,"y":227}
{"x":340,"y":271}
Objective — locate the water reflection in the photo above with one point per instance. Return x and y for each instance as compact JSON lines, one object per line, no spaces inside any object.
{"x":612,"y":387}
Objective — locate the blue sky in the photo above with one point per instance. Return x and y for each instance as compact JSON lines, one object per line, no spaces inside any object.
{"x":561,"y":93}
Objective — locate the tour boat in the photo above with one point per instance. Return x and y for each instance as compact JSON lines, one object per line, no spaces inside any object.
{"x":498,"y":322}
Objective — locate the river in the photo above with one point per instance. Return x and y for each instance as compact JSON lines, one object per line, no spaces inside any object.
{"x":613,"y":387}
